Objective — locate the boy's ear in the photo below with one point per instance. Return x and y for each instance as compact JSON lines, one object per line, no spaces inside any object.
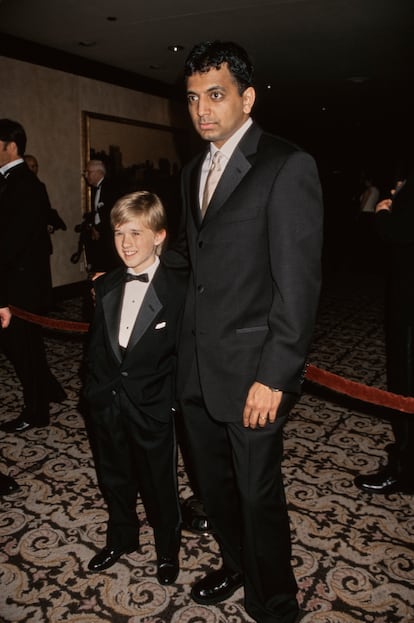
{"x":160,"y":236}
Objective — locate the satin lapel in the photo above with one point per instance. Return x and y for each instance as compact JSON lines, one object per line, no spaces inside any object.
{"x":150,"y":307}
{"x":111,"y":303}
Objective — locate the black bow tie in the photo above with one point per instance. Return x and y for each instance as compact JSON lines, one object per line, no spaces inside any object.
{"x":142,"y":277}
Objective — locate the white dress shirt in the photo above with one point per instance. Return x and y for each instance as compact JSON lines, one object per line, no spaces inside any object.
{"x":134,"y":292}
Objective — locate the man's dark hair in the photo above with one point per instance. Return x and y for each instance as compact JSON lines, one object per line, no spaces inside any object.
{"x":212,"y":54}
{"x":11,"y":131}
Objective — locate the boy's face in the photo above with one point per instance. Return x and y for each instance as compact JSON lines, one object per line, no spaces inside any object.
{"x":136,"y":244}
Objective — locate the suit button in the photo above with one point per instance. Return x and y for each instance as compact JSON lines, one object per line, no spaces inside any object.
{"x":124,"y":373}
{"x":200,"y":289}
{"x":113,"y":392}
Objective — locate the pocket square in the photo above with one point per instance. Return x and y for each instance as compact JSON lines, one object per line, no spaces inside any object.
{"x":161,"y":325}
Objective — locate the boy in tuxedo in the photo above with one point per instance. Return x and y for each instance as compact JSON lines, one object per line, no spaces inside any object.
{"x":130,"y":386}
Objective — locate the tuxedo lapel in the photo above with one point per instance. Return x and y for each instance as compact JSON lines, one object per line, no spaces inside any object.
{"x":112,"y":304}
{"x":151,"y":306}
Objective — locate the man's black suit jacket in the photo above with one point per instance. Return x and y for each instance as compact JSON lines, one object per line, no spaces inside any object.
{"x":146,"y":371}
{"x":24,"y":242}
{"x":255,"y":282}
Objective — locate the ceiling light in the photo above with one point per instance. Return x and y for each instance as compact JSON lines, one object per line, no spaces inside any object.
{"x":176,"y":48}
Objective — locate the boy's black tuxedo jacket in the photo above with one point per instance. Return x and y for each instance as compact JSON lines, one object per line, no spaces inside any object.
{"x":255,"y":272}
{"x":146,"y":370}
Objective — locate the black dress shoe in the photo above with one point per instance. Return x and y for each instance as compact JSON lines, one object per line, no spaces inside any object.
{"x":384,"y":481}
{"x":194,"y":517}
{"x":7,"y":485}
{"x":20,"y":425}
{"x":108,"y":556}
{"x":167,"y":569}
{"x":216,"y":586}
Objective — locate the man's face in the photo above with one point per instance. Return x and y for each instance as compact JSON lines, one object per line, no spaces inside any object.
{"x":216,"y":107}
{"x":32,"y":164}
{"x":7,"y":152}
{"x":136,"y":244}
{"x":93,"y":175}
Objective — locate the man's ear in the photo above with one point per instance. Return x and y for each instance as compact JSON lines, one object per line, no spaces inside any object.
{"x":248,"y":97}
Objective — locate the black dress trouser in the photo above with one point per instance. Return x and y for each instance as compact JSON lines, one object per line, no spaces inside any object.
{"x":238,"y":471}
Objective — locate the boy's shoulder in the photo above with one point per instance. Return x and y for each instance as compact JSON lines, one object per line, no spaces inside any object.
{"x":107,"y":281}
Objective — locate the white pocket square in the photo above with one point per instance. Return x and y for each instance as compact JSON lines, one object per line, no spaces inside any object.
{"x":161,"y":325}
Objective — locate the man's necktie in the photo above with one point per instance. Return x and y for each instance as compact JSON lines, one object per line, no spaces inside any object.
{"x":142,"y":277}
{"x":211,"y":181}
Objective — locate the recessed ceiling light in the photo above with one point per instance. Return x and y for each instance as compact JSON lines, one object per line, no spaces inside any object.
{"x":176,"y":48}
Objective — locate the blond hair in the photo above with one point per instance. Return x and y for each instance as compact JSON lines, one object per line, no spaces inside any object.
{"x":143,"y":204}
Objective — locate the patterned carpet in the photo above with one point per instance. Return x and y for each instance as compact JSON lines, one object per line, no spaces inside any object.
{"x":353,"y":553}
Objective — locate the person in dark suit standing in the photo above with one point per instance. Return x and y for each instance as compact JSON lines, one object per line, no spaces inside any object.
{"x":130,"y":388}
{"x":254,"y":246}
{"x":394,"y":221}
{"x":24,"y":278}
{"x":99,"y":245}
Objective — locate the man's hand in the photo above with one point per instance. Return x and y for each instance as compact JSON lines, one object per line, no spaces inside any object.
{"x":385,"y":204}
{"x":261,"y":405}
{"x":5,"y":317}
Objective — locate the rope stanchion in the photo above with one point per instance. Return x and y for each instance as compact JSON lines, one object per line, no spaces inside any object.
{"x":334,"y":382}
{"x":362,"y":392}
{"x":50,"y":323}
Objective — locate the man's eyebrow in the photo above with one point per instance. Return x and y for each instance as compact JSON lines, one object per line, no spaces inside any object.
{"x":216,"y":87}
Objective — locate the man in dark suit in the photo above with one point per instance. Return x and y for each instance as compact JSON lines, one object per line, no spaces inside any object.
{"x":130,"y":388}
{"x":254,"y":247}
{"x":394,"y":222}
{"x":99,"y":244}
{"x":24,"y":278}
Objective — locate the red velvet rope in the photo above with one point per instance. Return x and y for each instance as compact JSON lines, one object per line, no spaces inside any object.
{"x":334,"y":382}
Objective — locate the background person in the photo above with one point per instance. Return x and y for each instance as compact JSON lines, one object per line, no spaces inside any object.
{"x":24,"y":278}
{"x":394,"y":222}
{"x":99,"y":245}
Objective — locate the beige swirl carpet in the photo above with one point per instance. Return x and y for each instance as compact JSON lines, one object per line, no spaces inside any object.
{"x":353,"y":553}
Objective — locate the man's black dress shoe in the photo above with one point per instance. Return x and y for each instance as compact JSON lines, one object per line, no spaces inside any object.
{"x":216,"y":586}
{"x":194,"y":517}
{"x":7,"y":485}
{"x":384,"y":481}
{"x":108,"y":557}
{"x":167,"y":569}
{"x":20,"y":425}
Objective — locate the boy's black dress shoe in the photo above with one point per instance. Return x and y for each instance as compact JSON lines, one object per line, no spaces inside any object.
{"x":108,"y":556}
{"x":216,"y":586}
{"x":384,"y":481}
{"x":194,"y":517}
{"x":20,"y":425}
{"x":167,"y":569}
{"x":7,"y":485}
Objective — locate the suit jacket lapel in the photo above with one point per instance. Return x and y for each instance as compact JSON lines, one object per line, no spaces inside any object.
{"x":112,"y":305}
{"x":151,"y":305}
{"x":238,"y":166}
